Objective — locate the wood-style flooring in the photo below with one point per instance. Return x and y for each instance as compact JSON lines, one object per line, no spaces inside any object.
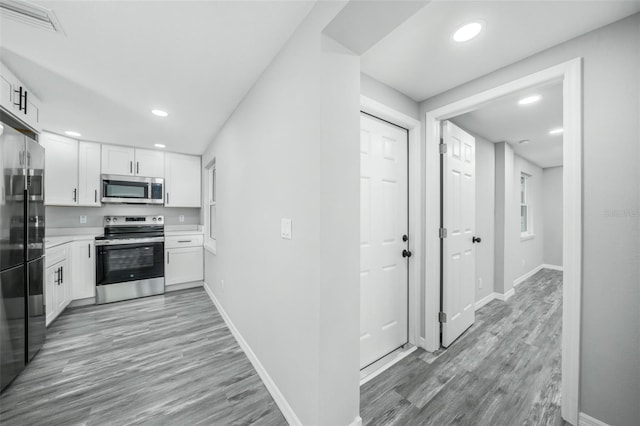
{"x":505,"y":370}
{"x":159,"y":360}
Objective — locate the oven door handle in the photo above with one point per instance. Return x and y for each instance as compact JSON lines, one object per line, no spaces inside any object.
{"x":122,"y":242}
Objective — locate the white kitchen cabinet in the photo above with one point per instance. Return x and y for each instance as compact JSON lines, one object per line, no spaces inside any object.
{"x":183,"y":259}
{"x":118,"y":160}
{"x":61,"y":170}
{"x":182,"y":180}
{"x":18,"y":100}
{"x":58,"y":282}
{"x":83,"y":269}
{"x":122,"y":160}
{"x":149,"y":163}
{"x":88,"y":174}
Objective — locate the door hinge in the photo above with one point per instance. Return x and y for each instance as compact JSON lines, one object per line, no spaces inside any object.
{"x":443,"y":232}
{"x":442,"y":147}
{"x":442,"y":317}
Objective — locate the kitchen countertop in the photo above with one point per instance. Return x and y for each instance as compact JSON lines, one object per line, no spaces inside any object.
{"x":54,"y":241}
{"x":59,"y":236}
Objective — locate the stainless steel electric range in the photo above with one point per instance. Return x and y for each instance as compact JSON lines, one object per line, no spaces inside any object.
{"x":130,"y":258}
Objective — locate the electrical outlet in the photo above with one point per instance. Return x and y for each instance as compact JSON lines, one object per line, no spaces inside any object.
{"x":222,"y":283}
{"x":479,"y":282}
{"x":181,"y":218}
{"x":285,"y":229}
{"x":83,"y":219}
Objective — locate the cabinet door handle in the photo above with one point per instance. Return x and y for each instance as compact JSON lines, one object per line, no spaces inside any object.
{"x":184,"y":241}
{"x":89,"y":247}
{"x":95,"y":195}
{"x":19,"y":104}
{"x":25,"y":101}
{"x":62,"y":274}
{"x":137,"y":167}
{"x":75,"y":194}
{"x":168,"y":256}
{"x":56,"y":279}
{"x":167,"y":198}
{"x":131,"y":167}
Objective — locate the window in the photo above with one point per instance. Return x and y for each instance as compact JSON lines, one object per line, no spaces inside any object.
{"x":212,"y":206}
{"x":526,"y":229}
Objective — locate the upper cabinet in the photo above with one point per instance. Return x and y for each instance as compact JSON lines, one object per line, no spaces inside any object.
{"x":88,"y":174}
{"x":72,"y":171}
{"x":121,"y":160}
{"x":182,"y":182}
{"x":61,"y":170}
{"x":18,"y":100}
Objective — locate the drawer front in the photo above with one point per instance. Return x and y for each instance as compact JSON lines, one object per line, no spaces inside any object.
{"x":55,"y":255}
{"x":177,"y":241}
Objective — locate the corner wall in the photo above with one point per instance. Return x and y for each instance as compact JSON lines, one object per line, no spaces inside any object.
{"x":291,"y":150}
{"x":552,"y":212}
{"x":609,"y":373}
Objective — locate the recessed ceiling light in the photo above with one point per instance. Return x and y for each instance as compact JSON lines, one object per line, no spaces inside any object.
{"x":529,"y":100}
{"x":467,"y":32}
{"x":523,"y":141}
{"x":159,"y":145}
{"x":159,"y":112}
{"x":72,"y":133}
{"x":556,"y":131}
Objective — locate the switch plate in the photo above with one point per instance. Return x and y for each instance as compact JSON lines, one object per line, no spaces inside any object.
{"x":479,"y":282}
{"x":181,"y":218}
{"x":83,"y":219}
{"x":285,"y":228}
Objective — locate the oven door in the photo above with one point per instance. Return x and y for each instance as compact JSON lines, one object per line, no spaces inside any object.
{"x":118,"y":263}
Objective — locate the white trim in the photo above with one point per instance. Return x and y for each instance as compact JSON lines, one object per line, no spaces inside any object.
{"x":570,"y":73}
{"x":357,"y":421}
{"x":529,"y":274}
{"x":526,"y":237}
{"x":586,"y":420}
{"x":282,"y":403}
{"x":488,"y":298}
{"x":554,"y":267}
{"x":385,"y":363}
{"x":182,"y":286}
{"x":380,"y":110}
{"x":506,"y":296}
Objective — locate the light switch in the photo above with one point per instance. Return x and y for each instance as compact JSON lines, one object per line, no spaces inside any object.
{"x":181,"y":218}
{"x":83,"y":219}
{"x":285,"y":228}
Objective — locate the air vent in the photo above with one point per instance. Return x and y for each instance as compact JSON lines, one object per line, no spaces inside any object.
{"x":30,"y":14}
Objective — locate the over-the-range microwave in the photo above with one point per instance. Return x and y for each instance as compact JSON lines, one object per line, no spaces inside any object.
{"x":132,"y":189}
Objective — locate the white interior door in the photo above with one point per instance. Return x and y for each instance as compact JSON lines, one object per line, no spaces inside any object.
{"x":383,"y":223}
{"x":459,"y":256}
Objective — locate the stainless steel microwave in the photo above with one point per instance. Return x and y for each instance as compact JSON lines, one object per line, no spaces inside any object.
{"x":132,"y":189}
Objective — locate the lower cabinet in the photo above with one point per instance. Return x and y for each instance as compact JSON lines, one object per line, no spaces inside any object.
{"x":58,"y":281}
{"x":83,"y":268}
{"x":183,"y":259}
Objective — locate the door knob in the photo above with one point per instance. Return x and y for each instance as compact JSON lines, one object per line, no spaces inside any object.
{"x":405,"y":238}
{"x":406,"y":253}
{"x":476,"y":240}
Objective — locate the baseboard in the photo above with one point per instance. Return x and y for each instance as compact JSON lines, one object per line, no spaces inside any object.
{"x":586,"y":420}
{"x":554,"y":267}
{"x":531,"y":273}
{"x":480,"y":303}
{"x":357,"y":421}
{"x":288,"y":413}
{"x":182,"y":286}
{"x":506,"y":296}
{"x":380,"y":366}
{"x":82,"y":302}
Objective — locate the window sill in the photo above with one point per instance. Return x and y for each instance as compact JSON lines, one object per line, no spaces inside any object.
{"x":525,"y":237}
{"x":210,"y":248}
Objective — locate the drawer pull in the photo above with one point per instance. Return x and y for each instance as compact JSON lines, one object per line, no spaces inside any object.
{"x":184,"y":241}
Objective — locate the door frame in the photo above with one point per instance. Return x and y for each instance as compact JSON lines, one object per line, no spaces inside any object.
{"x":412,"y":125}
{"x":570,"y":73}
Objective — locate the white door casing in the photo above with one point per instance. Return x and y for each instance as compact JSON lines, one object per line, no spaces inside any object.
{"x":459,"y":187}
{"x":383,"y":222}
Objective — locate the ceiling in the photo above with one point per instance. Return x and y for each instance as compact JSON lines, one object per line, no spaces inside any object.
{"x":421,"y":60}
{"x":505,"y":120}
{"x":119,"y":60}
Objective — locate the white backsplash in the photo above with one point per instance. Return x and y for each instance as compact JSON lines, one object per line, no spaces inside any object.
{"x":69,"y":217}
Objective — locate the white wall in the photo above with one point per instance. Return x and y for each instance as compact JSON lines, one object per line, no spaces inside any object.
{"x":552,"y":213}
{"x":291,"y":150}
{"x":526,"y":254}
{"x":609,"y":373}
{"x":389,"y":96}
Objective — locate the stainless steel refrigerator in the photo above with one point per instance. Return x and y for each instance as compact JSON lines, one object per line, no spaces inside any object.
{"x":22,"y":310}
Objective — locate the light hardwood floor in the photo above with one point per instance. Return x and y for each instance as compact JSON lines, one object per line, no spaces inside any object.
{"x":505,"y":370}
{"x":159,"y":360}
